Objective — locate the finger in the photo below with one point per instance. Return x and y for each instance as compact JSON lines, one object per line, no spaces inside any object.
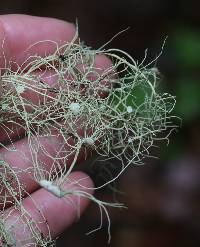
{"x":45,"y":83}
{"x":35,"y":97}
{"x":27,"y":160}
{"x":48,"y":212}
{"x":18,"y":32}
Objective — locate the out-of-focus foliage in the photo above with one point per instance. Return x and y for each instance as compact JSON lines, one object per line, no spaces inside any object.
{"x":186,"y":48}
{"x":188,"y":98}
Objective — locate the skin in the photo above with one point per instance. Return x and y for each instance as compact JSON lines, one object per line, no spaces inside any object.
{"x":17,"y":33}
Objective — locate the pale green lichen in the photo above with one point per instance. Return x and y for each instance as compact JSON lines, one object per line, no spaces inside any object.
{"x":116,"y":113}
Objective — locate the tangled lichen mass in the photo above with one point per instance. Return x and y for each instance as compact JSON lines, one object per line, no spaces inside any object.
{"x":115,"y":113}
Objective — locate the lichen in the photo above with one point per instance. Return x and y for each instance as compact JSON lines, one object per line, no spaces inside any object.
{"x":115,"y":112}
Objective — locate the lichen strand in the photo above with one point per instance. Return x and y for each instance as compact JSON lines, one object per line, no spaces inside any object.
{"x":6,"y":238}
{"x":116,"y":113}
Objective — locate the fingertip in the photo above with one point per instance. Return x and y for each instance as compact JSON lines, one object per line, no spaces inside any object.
{"x":22,"y":31}
{"x":28,"y":26}
{"x":83,"y":180}
{"x":103,"y":62}
{"x":60,"y":213}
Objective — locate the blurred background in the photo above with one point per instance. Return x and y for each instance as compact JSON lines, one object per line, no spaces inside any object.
{"x":163,"y":197}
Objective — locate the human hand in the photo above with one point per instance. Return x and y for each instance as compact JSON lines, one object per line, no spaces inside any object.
{"x":17,"y":33}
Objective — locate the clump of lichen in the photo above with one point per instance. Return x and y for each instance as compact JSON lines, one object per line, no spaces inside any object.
{"x":115,"y":113}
